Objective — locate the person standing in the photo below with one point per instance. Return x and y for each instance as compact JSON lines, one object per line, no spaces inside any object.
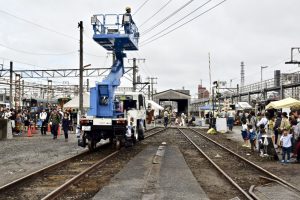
{"x":166,"y":118}
{"x":127,"y":21}
{"x":285,"y":123}
{"x":183,"y":119}
{"x":286,"y":144}
{"x":253,"y":120}
{"x":7,"y":114}
{"x":264,"y":120}
{"x":65,"y":125}
{"x":26,"y":120}
{"x":252,"y":136}
{"x":245,"y":135}
{"x":43,"y":118}
{"x":277,"y":128}
{"x":19,"y":123}
{"x":54,"y":120}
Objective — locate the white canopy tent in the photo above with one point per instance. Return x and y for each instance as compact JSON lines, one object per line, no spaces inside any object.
{"x":284,"y":103}
{"x":155,"y":106}
{"x":74,"y":103}
{"x":243,"y":106}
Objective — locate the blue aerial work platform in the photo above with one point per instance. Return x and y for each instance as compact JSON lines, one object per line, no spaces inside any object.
{"x":109,"y":33}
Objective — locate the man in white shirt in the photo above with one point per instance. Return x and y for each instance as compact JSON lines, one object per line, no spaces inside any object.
{"x":43,"y":117}
{"x":183,"y":119}
{"x":7,"y":114}
{"x":263,"y":120}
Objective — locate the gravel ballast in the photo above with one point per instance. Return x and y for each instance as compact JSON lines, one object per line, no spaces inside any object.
{"x":23,"y":155}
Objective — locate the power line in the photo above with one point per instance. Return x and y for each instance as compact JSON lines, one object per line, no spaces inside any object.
{"x":25,"y":63}
{"x":160,"y":9}
{"x":38,"y":25}
{"x":90,"y":54}
{"x":202,"y":5}
{"x":166,"y":18}
{"x":39,"y":54}
{"x":185,"y":22}
{"x":141,"y":6}
{"x":148,"y":72}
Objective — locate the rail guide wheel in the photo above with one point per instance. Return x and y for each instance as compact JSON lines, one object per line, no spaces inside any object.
{"x":118,"y":144}
{"x":92,"y":145}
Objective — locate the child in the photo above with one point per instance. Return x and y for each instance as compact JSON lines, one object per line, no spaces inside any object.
{"x":245,"y":134}
{"x":252,"y":136}
{"x":285,"y":142}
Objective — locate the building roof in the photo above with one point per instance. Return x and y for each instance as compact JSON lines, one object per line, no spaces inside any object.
{"x":171,"y":94}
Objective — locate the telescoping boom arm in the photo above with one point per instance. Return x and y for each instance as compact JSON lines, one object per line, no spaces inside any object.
{"x":112,"y":37}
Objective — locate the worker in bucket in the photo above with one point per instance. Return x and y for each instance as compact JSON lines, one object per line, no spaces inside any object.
{"x":127,"y":20}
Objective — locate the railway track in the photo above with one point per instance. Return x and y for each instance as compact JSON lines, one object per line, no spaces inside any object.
{"x":51,"y":182}
{"x":246,"y":176}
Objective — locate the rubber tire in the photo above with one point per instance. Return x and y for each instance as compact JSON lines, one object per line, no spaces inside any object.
{"x":141,"y":132}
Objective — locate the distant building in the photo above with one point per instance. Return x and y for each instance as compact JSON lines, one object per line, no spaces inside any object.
{"x":203,"y":93}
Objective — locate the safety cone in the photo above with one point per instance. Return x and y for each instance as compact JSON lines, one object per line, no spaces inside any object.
{"x":33,"y":129}
{"x":49,"y":128}
{"x":29,"y":132}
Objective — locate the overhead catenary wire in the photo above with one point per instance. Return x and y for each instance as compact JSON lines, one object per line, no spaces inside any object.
{"x":38,"y":25}
{"x":139,"y":8}
{"x":201,"y":6}
{"x":39,"y":54}
{"x":166,"y":18}
{"x":185,"y":23}
{"x":21,"y":62}
{"x":158,"y":11}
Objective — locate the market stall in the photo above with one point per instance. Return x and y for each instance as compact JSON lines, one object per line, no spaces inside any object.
{"x":284,"y":103}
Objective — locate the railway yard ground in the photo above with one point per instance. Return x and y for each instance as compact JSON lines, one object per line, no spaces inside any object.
{"x":166,"y":165}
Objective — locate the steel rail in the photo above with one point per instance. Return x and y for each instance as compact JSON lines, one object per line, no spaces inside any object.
{"x":217,"y":167}
{"x":58,"y":191}
{"x":249,"y":162}
{"x":55,"y":193}
{"x":52,"y":166}
{"x":36,"y":173}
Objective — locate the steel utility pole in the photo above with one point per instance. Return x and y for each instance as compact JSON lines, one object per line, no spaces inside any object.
{"x":152,"y":83}
{"x":11,"y":84}
{"x":135,"y":71}
{"x":134,"y":74}
{"x":87,"y":85}
{"x":149,"y":92}
{"x":80,"y":26}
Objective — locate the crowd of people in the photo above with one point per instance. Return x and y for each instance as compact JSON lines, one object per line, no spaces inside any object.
{"x":21,"y":120}
{"x":281,"y":130}
{"x":175,"y":119}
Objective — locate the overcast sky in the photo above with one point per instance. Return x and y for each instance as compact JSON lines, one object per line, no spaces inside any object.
{"x":258,"y":32}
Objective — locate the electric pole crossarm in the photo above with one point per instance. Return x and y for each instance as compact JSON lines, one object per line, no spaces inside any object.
{"x":292,"y":61}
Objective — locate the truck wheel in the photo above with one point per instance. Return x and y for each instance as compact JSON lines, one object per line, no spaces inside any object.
{"x":141,"y":132}
{"x":92,"y":145}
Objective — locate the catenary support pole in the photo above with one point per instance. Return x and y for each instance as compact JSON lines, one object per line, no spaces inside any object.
{"x":11,"y":84}
{"x":134,"y":74}
{"x":80,"y":25}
